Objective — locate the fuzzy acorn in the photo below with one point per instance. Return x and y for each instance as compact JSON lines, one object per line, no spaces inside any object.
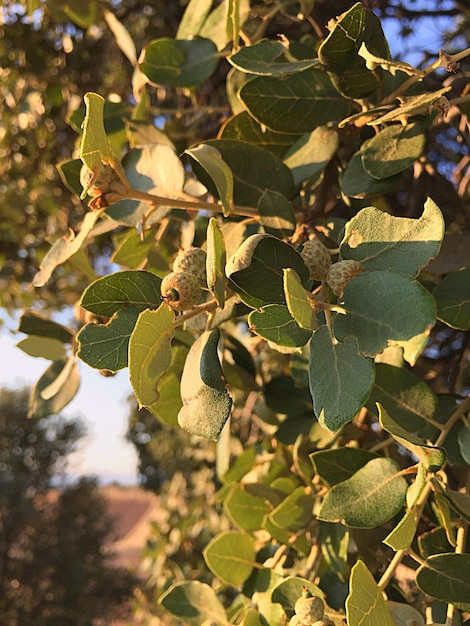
{"x":193,"y":261}
{"x":181,"y":290}
{"x":317,"y":258}
{"x":341,"y":273}
{"x":309,"y":608}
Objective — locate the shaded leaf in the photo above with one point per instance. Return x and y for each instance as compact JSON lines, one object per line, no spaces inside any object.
{"x":336,"y":465}
{"x":64,"y":248}
{"x":276,"y":215}
{"x":254,"y":170}
{"x":256,"y":269}
{"x":290,"y":590}
{"x":365,"y":604}
{"x":179,"y":62}
{"x":246,"y":510}
{"x":453,"y":299}
{"x":243,"y":127}
{"x":169,"y":403}
{"x":44,"y":347}
{"x":340,"y":51}
{"x":130,"y":289}
{"x":231,"y":556}
{"x":372,"y":496}
{"x":432,"y":457}
{"x":294,"y":512}
{"x":310,"y":154}
{"x":357,"y":183}
{"x":275,"y":323}
{"x":150,"y":353}
{"x":105,"y":346}
{"x":384,"y":306}
{"x":34,"y":323}
{"x":393,"y":149}
{"x":194,"y":602}
{"x":153,"y":169}
{"x":210,"y":159}
{"x":442,"y":577}
{"x":206,"y":403}
{"x":340,"y":379}
{"x":404,"y":395}
{"x":55,"y":388}
{"x":411,"y":105}
{"x":132,"y":249}
{"x":266,"y":58}
{"x":297,"y":104}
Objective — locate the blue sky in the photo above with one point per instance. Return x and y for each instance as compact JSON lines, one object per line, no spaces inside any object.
{"x":101,"y":403}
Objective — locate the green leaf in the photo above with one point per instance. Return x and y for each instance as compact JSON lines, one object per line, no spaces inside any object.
{"x":384,"y":306}
{"x":290,"y":590}
{"x":357,"y":183}
{"x":404,"y":614}
{"x":210,"y":159}
{"x":295,"y":512}
{"x":34,"y":323}
{"x":169,"y":403}
{"x":340,"y":379}
{"x":206,"y":403}
{"x":266,"y":58}
{"x":411,"y":105}
{"x":296,"y":104}
{"x":464,"y":442}
{"x":432,"y":457}
{"x":310,"y":154}
{"x":231,"y":557}
{"x":244,"y":128}
{"x":193,"y":18}
{"x":339,"y":51}
{"x":401,"y":537}
{"x":393,"y":150}
{"x":298,"y":302}
{"x":133,"y":249}
{"x":55,"y":388}
{"x":275,"y":323}
{"x":256,"y":269}
{"x":241,"y":466}
{"x":372,"y":496}
{"x":232,"y":23}
{"x":365,"y":604}
{"x":105,"y":346}
{"x":373,"y":61}
{"x":215,"y":26}
{"x":404,"y":395}
{"x":43,"y":347}
{"x":282,"y":396}
{"x":453,"y":299}
{"x":150,"y":353}
{"x":63,"y":249}
{"x":246,"y":510}
{"x":179,"y":62}
{"x":276,"y":215}
{"x":94,"y":147}
{"x":153,"y":169}
{"x":130,"y":289}
{"x":254,"y":170}
{"x":215,"y":263}
{"x":459,"y":502}
{"x":442,"y":576}
{"x":336,"y":465}
{"x":194,"y":602}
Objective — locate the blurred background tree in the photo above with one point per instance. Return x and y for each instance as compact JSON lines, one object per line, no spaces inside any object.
{"x":54,"y":564}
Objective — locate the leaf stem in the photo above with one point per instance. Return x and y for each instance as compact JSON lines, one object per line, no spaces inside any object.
{"x":189,"y":205}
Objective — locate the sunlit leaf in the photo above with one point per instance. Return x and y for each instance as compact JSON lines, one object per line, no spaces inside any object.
{"x":365,"y":604}
{"x":230,"y":556}
{"x":215,"y":262}
{"x":150,"y":353}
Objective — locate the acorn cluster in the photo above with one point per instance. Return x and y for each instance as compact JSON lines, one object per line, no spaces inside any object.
{"x":309,"y":611}
{"x":317,"y":258}
{"x":182,"y":289}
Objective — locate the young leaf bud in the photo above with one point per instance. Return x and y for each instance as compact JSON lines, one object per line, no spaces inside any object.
{"x":309,"y":608}
{"x":317,"y":258}
{"x":341,"y":273}
{"x":192,"y":261}
{"x":181,"y":290}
